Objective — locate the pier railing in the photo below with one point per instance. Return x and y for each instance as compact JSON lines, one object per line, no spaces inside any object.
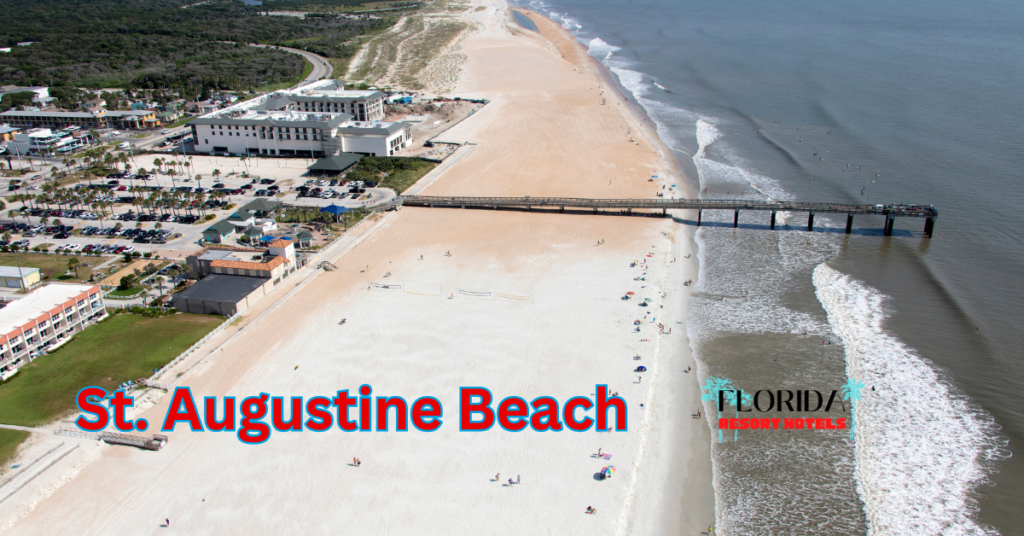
{"x":890,"y":212}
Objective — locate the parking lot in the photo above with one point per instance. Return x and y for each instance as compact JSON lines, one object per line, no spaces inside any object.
{"x":167,"y":213}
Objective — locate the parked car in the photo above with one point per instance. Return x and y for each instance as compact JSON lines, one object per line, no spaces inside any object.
{"x":62,"y":236}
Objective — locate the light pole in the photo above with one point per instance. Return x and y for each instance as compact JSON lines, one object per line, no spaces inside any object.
{"x":17,"y":151}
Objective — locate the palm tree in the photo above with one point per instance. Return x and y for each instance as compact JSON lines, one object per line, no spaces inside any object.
{"x":851,"y":392}
{"x":199,"y":180}
{"x":714,"y":386}
{"x":73,"y":263}
{"x":216,"y":174}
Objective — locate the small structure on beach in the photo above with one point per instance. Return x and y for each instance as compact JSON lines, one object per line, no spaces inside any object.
{"x":334,"y":165}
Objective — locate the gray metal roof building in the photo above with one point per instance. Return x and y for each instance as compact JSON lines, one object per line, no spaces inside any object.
{"x":220,"y":294}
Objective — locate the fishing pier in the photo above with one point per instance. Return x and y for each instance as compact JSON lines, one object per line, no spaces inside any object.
{"x":654,"y":206}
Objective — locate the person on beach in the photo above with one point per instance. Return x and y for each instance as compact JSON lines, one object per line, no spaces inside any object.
{"x":167,"y":522}
{"x":510,"y":483}
{"x":591,"y":510}
{"x":698,"y":413}
{"x":497,"y":477}
{"x":517,"y":479}
{"x":599,"y":453}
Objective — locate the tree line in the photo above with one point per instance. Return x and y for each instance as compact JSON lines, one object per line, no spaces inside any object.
{"x":162,"y":44}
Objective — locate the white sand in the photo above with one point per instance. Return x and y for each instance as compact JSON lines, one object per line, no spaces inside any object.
{"x":545,"y":133}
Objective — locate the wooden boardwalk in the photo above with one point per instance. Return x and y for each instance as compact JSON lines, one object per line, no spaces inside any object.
{"x":627,"y":206}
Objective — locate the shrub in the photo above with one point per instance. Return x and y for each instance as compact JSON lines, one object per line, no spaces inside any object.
{"x":126,"y":282}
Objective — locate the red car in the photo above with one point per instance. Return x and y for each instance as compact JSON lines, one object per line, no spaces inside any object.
{"x":119,"y":249}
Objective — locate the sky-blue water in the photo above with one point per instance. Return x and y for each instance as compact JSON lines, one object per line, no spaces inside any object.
{"x":906,"y":102}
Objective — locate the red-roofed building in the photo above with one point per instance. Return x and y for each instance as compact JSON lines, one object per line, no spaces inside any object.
{"x":234,"y":278}
{"x":45,"y":319}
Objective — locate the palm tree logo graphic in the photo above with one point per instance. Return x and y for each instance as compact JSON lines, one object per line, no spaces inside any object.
{"x":713,"y":386}
{"x":747,"y":399}
{"x":851,"y":392}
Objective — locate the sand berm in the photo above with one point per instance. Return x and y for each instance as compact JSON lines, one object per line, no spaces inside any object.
{"x":553,"y":324}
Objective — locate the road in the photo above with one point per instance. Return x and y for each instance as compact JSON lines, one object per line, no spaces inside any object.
{"x":321,"y":67}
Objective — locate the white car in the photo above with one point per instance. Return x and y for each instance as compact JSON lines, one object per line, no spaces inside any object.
{"x":62,"y":247}
{"x":74,"y":247}
{"x":124,"y":146}
{"x":115,"y":133}
{"x":165,"y":131}
{"x":128,"y":249}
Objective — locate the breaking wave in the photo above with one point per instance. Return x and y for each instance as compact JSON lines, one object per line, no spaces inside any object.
{"x":921,"y":448}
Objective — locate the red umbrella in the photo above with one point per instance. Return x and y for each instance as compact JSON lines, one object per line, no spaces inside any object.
{"x":630,"y":293}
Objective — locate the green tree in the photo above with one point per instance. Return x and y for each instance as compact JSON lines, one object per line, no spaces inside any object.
{"x":127,"y":282}
{"x":73,"y":264}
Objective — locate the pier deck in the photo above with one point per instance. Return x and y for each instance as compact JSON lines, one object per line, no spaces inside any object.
{"x":891,"y":212}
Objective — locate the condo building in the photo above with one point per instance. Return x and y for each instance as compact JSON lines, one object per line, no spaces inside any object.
{"x":45,"y":319}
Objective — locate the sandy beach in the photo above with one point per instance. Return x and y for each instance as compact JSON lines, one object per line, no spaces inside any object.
{"x":528,"y":304}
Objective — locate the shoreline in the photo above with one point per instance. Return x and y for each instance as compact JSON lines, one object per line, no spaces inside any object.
{"x":689,"y":480}
{"x":543,"y":133}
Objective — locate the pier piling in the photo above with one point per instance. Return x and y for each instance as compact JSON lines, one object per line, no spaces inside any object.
{"x":810,"y":221}
{"x":849,"y":223}
{"x":736,"y":219}
{"x":889,"y":221}
{"x":773,"y":221}
{"x":700,"y":214}
{"x":929,"y":226}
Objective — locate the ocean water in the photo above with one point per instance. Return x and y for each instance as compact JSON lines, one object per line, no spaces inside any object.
{"x":874,"y":102}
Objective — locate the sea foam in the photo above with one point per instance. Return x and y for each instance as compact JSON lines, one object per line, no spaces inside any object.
{"x":921,"y":448}
{"x":599,"y":49}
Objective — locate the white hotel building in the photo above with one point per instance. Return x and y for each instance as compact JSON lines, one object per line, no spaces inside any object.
{"x":316,"y":120}
{"x":45,"y":319}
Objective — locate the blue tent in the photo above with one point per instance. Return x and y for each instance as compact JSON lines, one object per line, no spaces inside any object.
{"x":335,"y":210}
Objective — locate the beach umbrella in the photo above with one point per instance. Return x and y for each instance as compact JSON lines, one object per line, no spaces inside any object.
{"x":608,"y":470}
{"x":630,"y":293}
